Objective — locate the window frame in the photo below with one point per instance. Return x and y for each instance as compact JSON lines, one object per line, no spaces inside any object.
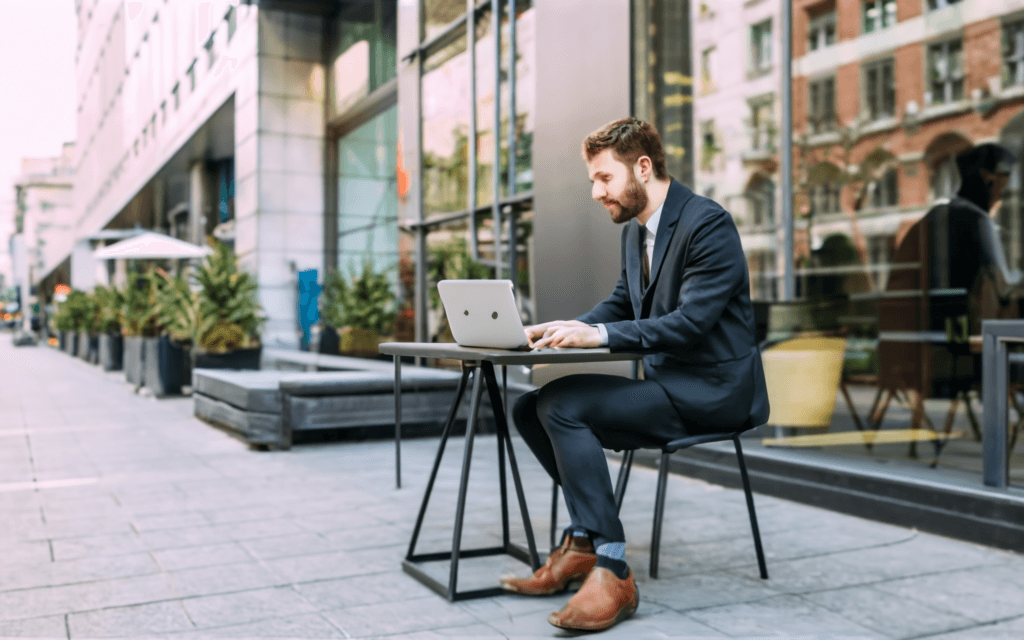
{"x":1015,"y":24}
{"x":882,"y":23}
{"x":817,"y":30}
{"x":813,"y":115}
{"x":949,"y":84}
{"x":937,"y":5}
{"x":756,"y":64}
{"x":762,"y":134}
{"x":868,"y":109}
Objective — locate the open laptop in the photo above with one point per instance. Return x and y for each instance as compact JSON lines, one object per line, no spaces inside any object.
{"x":483,"y":313}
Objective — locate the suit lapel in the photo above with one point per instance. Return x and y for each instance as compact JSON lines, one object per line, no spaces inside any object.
{"x":670,"y":213}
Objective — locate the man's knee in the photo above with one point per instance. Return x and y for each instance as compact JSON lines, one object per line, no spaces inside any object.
{"x":559,"y":404}
{"x":524,"y":411}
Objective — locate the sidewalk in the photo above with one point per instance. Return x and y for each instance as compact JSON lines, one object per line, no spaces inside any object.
{"x":123,"y":516}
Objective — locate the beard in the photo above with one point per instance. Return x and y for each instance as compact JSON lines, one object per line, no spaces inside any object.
{"x":631,"y":203}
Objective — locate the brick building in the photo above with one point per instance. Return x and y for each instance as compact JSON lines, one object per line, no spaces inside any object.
{"x":885,"y":94}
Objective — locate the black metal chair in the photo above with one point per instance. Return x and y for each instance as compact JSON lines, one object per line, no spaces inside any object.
{"x":659,"y":503}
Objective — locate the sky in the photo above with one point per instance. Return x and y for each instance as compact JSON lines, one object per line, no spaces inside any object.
{"x":37,"y":75}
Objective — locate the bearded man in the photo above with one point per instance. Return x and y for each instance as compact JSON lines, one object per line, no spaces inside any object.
{"x":683,"y":299}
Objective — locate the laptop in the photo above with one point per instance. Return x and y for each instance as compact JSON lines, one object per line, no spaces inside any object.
{"x":483,"y":313}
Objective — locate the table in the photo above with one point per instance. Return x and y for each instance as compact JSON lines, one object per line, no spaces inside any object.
{"x":481,"y":361}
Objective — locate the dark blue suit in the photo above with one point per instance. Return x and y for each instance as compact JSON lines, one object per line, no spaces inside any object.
{"x":703,"y":372}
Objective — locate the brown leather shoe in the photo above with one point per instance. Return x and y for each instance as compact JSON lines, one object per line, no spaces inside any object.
{"x":604,"y":600}
{"x":567,"y":565}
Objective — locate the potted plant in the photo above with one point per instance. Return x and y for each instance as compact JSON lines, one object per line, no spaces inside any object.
{"x":224,"y":314}
{"x":77,"y":306}
{"x":110,"y":344}
{"x":451,"y":261}
{"x":64,"y":323}
{"x":137,"y":320}
{"x":359,"y":310}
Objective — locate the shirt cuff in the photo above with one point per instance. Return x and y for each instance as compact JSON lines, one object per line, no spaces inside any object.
{"x":604,"y":334}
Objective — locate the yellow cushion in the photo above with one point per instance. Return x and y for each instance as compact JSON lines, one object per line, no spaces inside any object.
{"x":802,"y":377}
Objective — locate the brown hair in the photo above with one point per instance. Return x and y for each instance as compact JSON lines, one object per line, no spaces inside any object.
{"x":628,"y":138}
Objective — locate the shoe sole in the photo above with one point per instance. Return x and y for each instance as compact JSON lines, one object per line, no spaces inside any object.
{"x":623,"y":614}
{"x":571,"y":585}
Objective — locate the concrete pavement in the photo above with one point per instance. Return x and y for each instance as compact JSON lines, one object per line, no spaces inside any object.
{"x":123,"y":516}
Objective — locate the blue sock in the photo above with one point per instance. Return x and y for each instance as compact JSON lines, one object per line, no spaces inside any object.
{"x":611,"y":556}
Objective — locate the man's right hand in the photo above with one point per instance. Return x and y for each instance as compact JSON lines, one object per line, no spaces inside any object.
{"x":562,"y":333}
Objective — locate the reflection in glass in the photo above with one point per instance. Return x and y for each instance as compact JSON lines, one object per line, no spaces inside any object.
{"x":484,"y":109}
{"x":368,"y":195}
{"x":363,"y":58}
{"x":526,"y":60}
{"x":445,"y":96}
{"x":438,"y":14}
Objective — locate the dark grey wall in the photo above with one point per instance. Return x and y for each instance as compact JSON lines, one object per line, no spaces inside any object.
{"x":583,"y":81}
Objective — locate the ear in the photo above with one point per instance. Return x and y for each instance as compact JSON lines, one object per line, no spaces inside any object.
{"x":645,"y":168}
{"x":986,"y":176}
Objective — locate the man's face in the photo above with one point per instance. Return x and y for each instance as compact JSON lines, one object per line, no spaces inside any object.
{"x":616,"y":187}
{"x":997,"y":182}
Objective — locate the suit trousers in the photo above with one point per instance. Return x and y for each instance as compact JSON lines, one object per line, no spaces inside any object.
{"x":569,"y":422}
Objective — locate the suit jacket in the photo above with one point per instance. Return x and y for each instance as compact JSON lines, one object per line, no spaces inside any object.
{"x":695,"y":320}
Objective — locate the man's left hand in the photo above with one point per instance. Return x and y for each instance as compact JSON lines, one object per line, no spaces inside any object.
{"x":564,"y":333}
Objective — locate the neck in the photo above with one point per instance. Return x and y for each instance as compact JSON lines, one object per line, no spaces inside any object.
{"x":657,"y":191}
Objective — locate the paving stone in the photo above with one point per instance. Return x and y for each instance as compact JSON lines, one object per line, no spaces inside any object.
{"x":380,"y":619}
{"x":309,"y":625}
{"x":982,"y":594}
{"x":245,"y":607}
{"x":202,"y":556}
{"x":324,"y":566}
{"x":91,"y":546}
{"x":87,"y":569}
{"x":702,"y":590}
{"x":1005,"y":630}
{"x":393,"y":586}
{"x":48,"y":627}
{"x":881,"y":612}
{"x":33,"y":603}
{"x":124,"y":622}
{"x":780,"y":616}
{"x":222,"y":579}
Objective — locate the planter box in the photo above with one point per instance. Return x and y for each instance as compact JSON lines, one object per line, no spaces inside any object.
{"x":82,"y":350}
{"x":237,"y":359}
{"x":60,"y":341}
{"x":328,"y":341}
{"x":111,"y":351}
{"x":166,"y":366}
{"x":134,"y":371}
{"x":71,"y":342}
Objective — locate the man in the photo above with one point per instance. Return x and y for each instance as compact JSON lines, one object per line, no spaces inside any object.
{"x":957,"y":245}
{"x":683,"y":298}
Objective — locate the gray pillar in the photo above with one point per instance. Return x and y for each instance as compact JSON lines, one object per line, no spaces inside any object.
{"x":197,"y":203}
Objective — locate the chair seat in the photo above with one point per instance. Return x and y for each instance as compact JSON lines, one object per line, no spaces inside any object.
{"x":703,"y":438}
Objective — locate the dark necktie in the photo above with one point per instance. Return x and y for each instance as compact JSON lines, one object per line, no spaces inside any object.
{"x":645,"y":265}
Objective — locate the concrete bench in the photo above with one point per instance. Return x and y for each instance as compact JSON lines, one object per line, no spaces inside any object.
{"x":267,"y":407}
{"x":284,"y":360}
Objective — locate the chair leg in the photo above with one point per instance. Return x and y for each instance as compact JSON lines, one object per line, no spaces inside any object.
{"x":620,"y":484}
{"x":750,"y":508}
{"x":659,"y":511}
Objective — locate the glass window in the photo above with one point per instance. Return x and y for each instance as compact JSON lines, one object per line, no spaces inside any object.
{"x":709,"y":145}
{"x":879,"y":14}
{"x":438,"y":14}
{"x":662,"y":79}
{"x":825,"y":198}
{"x":368,"y":195}
{"x":821,"y":105}
{"x":445,"y":100}
{"x":707,"y":78}
{"x":945,"y":178}
{"x":821,"y":31}
{"x":526,"y":101}
{"x":945,"y":72}
{"x":879,"y":90}
{"x":761,"y":199}
{"x":364,"y":52}
{"x":884,"y":191}
{"x":1013,"y":54}
{"x":485,"y":133}
{"x":941,"y":4}
{"x":761,"y":47}
{"x":762,"y":126}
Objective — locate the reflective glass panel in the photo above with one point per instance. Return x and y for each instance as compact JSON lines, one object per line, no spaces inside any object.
{"x":445,"y":104}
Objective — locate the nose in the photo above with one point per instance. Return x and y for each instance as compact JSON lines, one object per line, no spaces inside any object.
{"x":597,"y":192}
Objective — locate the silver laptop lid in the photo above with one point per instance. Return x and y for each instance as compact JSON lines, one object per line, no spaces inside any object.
{"x":482,"y":313}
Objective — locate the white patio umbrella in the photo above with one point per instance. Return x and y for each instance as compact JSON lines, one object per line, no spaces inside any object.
{"x":150,"y":245}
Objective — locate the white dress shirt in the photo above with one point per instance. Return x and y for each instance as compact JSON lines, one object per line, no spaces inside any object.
{"x":652,"y":230}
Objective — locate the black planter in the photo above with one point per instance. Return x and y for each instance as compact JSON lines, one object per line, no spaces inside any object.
{"x":82,"y":350}
{"x":237,"y":359}
{"x":134,"y":371}
{"x":329,"y":342}
{"x":166,"y":365}
{"x":111,"y":351}
{"x":60,"y":340}
{"x":94,"y":349}
{"x":71,"y":342}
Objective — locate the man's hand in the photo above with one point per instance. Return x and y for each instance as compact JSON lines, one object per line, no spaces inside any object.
{"x":563,"y":333}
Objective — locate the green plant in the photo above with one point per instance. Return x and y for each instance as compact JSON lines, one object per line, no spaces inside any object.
{"x":75,"y":313}
{"x":138,"y":315}
{"x":362,"y":301}
{"x":450,"y":261}
{"x":108,"y":309}
{"x":228,"y":314}
{"x":179,"y":309}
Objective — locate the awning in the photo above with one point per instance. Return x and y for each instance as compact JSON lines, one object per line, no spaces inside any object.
{"x":150,"y":245}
